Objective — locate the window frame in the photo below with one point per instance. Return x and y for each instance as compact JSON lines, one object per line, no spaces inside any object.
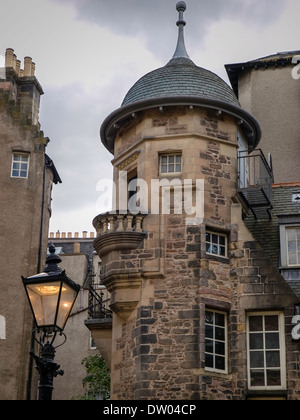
{"x":288,"y":264}
{"x":282,"y":353}
{"x":225,"y":246}
{"x":284,"y":253}
{"x":214,"y":340}
{"x":13,"y":161}
{"x":168,"y":155}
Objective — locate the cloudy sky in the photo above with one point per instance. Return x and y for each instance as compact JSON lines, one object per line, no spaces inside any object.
{"x":88,"y":53}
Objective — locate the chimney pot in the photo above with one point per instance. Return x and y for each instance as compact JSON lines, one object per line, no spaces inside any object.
{"x":9,"y":56}
{"x":14,"y":62}
{"x":27,"y":66}
{"x":18,"y":67}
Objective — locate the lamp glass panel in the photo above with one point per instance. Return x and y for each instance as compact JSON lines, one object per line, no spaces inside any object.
{"x":44,"y":299}
{"x":68,"y":296}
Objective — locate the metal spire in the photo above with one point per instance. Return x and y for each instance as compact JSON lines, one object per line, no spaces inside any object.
{"x":180,"y":49}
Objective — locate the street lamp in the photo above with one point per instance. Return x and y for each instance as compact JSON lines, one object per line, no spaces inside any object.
{"x":51,"y":295}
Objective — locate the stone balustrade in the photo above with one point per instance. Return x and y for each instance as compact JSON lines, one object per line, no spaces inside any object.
{"x":115,"y":222}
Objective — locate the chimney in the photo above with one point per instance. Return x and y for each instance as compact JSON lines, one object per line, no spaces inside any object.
{"x":9,"y":57}
{"x":76,"y":247}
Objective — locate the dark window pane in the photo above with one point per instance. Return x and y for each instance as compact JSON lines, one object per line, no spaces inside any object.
{"x":256,"y":341}
{"x":220,"y":333}
{"x":209,"y":317}
{"x":222,"y":240}
{"x":209,"y":346}
{"x":220,"y":319}
{"x":222,"y":251}
{"x":256,"y":359}
{"x":209,"y":361}
{"x":215,"y":239}
{"x":208,"y":237}
{"x":273,"y":378}
{"x":209,"y":331}
{"x":271,"y":323}
{"x":272,"y":340}
{"x":220,"y":363}
{"x":272,"y":359}
{"x":257,"y":378}
{"x":208,"y":248}
{"x":215,"y":249}
{"x":219,"y":348}
{"x":255,"y":323}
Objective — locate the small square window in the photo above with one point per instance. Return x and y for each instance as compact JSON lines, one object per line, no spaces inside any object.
{"x":170,"y":163}
{"x":216,"y":244}
{"x":20,"y":165}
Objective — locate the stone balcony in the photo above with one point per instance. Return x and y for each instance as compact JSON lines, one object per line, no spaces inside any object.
{"x":117,"y":231}
{"x":119,"y":236}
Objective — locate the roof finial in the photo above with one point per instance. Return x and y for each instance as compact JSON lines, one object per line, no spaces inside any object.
{"x":180,"y":49}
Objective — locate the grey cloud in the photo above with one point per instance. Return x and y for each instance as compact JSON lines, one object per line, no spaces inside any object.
{"x":155,"y":19}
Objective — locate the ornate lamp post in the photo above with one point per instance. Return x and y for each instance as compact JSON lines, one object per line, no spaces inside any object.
{"x":51,"y":295}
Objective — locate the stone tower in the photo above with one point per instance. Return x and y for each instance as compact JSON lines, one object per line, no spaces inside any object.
{"x":26,"y":181}
{"x":185,"y":280}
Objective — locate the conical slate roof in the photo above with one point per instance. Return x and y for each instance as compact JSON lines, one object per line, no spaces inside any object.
{"x":180,"y":82}
{"x":180,"y":78}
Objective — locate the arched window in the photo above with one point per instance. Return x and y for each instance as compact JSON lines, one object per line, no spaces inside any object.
{"x":2,"y":328}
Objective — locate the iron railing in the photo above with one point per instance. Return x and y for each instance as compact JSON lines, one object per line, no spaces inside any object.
{"x":255,"y":179}
{"x":98,"y":307}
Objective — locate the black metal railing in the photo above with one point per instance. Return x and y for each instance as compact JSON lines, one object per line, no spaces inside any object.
{"x":98,"y":307}
{"x":255,"y":179}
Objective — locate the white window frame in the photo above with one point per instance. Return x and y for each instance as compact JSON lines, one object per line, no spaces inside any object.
{"x":282,"y":353}
{"x":218,"y":245}
{"x":284,"y":252}
{"x":169,"y":164}
{"x":19,"y":154}
{"x":214,"y":340}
